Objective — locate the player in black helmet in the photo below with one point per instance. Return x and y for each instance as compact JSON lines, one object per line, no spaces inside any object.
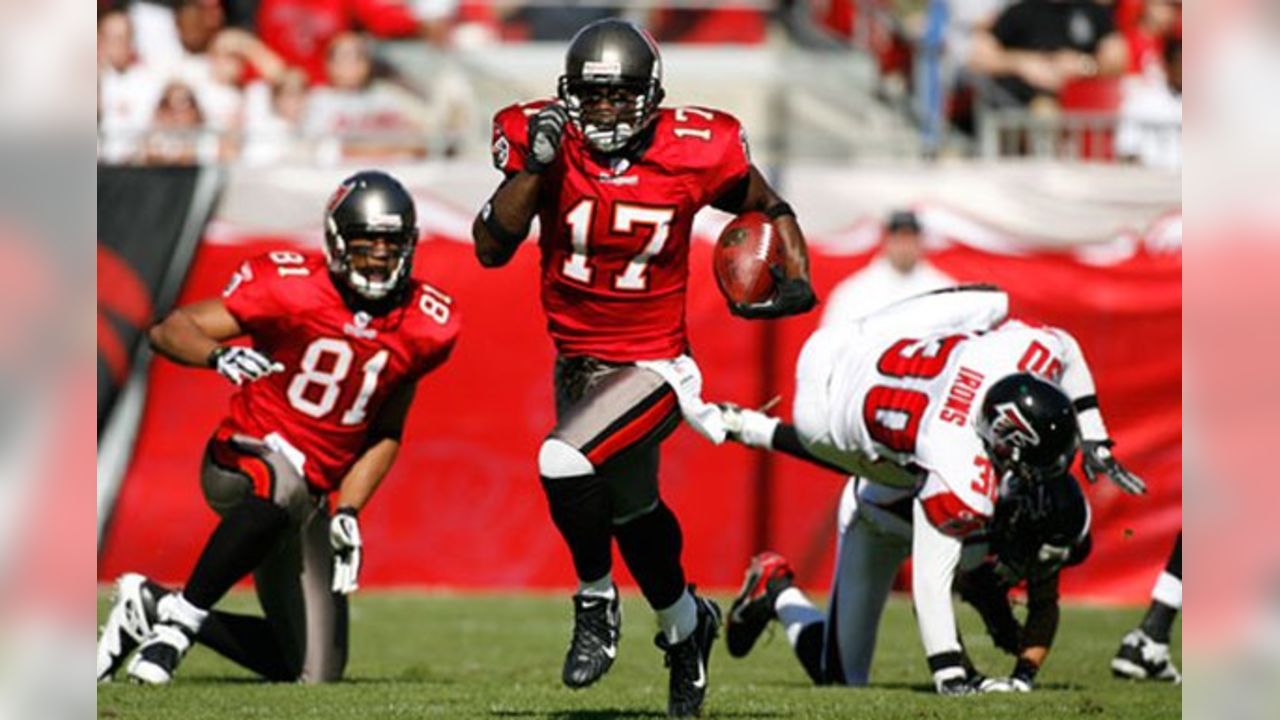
{"x":937,"y":405}
{"x":337,"y":345}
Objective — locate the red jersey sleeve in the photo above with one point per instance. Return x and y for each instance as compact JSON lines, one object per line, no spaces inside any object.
{"x":438,"y":327}
{"x":511,"y":136}
{"x":251,"y":297}
{"x":386,"y":18}
{"x":732,"y":159}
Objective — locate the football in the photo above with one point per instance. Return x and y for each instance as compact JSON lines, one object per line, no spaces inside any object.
{"x":747,"y":247}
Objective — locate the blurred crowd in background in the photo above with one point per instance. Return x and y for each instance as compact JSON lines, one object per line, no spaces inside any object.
{"x":265,"y":81}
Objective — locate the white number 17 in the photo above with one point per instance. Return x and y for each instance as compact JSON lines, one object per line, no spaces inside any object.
{"x":625,"y":218}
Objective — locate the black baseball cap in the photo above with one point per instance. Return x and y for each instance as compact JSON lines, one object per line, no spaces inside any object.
{"x":903,"y":220}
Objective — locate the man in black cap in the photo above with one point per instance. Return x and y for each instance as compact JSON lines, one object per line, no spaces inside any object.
{"x":898,"y":272}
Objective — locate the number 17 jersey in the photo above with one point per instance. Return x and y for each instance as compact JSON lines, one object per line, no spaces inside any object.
{"x":615,"y":231}
{"x":340,"y":364}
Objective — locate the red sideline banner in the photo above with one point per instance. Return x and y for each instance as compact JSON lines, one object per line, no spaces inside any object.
{"x":463,"y":506}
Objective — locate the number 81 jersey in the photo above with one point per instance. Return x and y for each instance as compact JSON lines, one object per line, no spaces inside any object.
{"x":615,"y":230}
{"x":340,"y":365}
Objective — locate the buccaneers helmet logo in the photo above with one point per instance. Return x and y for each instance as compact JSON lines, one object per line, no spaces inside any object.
{"x":1011,"y":427}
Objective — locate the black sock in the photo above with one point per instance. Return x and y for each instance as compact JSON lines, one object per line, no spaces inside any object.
{"x":1174,"y":565}
{"x":240,"y":542}
{"x":808,"y":650}
{"x":1158,"y":621}
{"x":1159,"y":618}
{"x":580,"y":509}
{"x":651,"y":545}
{"x":248,"y":641}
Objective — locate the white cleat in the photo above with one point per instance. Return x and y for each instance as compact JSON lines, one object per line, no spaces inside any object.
{"x":133,"y":611}
{"x":1141,"y":658}
{"x":158,"y":657}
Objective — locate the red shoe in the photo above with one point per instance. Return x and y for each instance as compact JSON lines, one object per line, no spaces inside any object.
{"x":767,"y":576}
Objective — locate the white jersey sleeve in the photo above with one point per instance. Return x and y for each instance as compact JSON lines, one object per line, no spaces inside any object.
{"x":1077,"y":383}
{"x":934,"y":556}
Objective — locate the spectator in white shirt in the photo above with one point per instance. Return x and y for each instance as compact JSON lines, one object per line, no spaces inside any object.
{"x":360,"y":115}
{"x":1150,"y":130}
{"x":127,"y":91}
{"x":274,"y":114}
{"x":898,"y":272}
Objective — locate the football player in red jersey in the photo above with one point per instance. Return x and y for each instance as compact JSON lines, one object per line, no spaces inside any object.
{"x":615,"y":181}
{"x":337,"y":350}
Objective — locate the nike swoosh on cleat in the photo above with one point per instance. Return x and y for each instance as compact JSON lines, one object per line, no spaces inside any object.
{"x":610,"y":650}
{"x":701,"y":682}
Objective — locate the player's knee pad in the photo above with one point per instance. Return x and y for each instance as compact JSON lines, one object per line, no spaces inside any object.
{"x":559,"y":459}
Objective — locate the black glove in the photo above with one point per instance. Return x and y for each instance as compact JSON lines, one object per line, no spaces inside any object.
{"x":546,"y":130}
{"x":1098,"y":460}
{"x":792,"y":296}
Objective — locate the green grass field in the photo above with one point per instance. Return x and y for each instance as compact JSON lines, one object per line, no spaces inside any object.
{"x":486,"y":656}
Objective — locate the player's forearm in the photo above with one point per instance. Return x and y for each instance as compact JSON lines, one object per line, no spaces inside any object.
{"x":366,"y":475}
{"x":179,"y":338}
{"x":795,"y":254}
{"x":504,"y":221}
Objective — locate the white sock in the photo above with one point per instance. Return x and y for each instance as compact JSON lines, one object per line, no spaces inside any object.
{"x":175,"y":608}
{"x":795,"y":612}
{"x":602,"y":588}
{"x":1168,"y":590}
{"x":678,"y":621}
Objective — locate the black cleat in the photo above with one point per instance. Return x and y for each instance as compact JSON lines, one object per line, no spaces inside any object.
{"x":767,"y":575}
{"x":688,"y":660}
{"x":597,"y":626}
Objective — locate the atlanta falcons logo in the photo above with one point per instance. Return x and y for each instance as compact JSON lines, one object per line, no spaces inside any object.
{"x":1013,"y":428}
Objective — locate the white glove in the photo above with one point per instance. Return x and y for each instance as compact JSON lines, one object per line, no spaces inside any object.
{"x":344,"y":536}
{"x":242,"y":364}
{"x":1004,"y":685}
{"x":749,"y":427}
{"x":546,"y":130}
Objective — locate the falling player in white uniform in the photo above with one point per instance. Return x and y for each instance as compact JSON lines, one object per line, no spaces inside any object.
{"x":933,"y":403}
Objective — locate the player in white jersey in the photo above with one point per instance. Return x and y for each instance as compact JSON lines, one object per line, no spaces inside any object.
{"x":934,"y":402}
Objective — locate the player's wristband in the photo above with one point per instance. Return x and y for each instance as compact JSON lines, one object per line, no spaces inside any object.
{"x":773,"y":212}
{"x":505,"y":237}
{"x":346,"y":510}
{"x":212,"y":360}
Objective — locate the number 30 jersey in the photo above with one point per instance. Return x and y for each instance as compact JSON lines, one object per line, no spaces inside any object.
{"x":906,"y":385}
{"x":615,"y":232}
{"x":340,"y":365}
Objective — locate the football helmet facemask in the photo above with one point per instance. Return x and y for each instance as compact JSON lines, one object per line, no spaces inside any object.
{"x":370,"y":221}
{"x":1029,"y":428}
{"x":612,"y":83}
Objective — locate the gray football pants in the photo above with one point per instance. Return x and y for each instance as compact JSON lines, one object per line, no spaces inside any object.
{"x":293,"y":583}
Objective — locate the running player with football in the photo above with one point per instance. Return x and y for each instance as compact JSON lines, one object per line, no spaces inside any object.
{"x":337,"y":348}
{"x":937,"y":405}
{"x":615,"y":181}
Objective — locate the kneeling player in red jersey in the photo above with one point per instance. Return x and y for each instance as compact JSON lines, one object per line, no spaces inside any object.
{"x":615,"y":181}
{"x":337,"y":350}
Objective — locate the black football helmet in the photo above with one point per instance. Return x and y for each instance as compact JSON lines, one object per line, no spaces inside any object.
{"x":612,"y":83}
{"x":1029,"y":428}
{"x":370,"y":204}
{"x":1040,"y":527}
